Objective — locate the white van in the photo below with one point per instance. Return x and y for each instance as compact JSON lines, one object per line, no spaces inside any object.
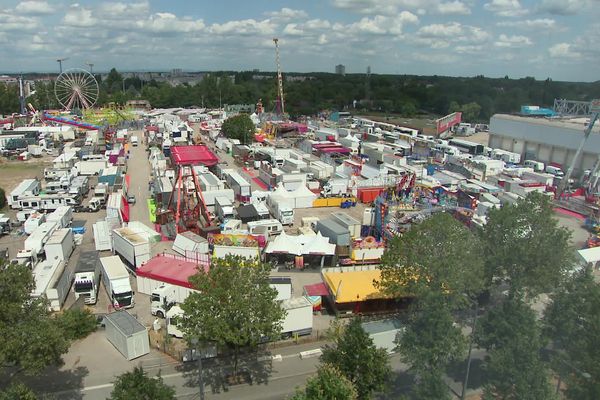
{"x":554,"y":171}
{"x":134,"y":141}
{"x":537,"y":166}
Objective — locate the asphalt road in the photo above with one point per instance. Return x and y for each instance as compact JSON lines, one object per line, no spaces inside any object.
{"x":138,"y":169}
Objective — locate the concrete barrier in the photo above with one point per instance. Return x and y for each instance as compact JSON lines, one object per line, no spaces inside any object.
{"x":310,"y":353}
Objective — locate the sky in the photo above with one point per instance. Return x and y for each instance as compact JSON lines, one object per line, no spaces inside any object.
{"x":559,"y":39}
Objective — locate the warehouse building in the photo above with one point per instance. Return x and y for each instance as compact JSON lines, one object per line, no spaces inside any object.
{"x":550,"y":140}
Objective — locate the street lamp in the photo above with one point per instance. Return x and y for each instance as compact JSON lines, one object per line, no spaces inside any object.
{"x":196,"y":344}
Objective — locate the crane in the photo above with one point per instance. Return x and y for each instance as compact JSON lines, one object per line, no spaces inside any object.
{"x":280,"y":101}
{"x":595,"y":111}
{"x":91,"y":65}
{"x":59,"y":61}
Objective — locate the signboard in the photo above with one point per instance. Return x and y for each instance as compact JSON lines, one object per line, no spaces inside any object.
{"x":595,"y":106}
{"x":447,"y":122}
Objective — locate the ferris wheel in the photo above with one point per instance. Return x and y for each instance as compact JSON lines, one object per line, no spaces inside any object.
{"x":76,"y":88}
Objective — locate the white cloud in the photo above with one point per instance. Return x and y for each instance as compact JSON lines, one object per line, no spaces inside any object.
{"x":292,"y":30}
{"x":563,"y":51}
{"x":506,"y":8}
{"x":169,"y":23}
{"x":469,"y":49}
{"x":79,"y":17}
{"x":287,"y":14}
{"x":244,"y":27}
{"x":10,"y":22}
{"x":562,"y":7}
{"x":380,"y":25}
{"x":514,"y":41}
{"x":315,"y":24}
{"x":34,"y":8}
{"x":453,"y":7}
{"x":441,"y":30}
{"x":118,"y":10}
{"x":537,"y":24}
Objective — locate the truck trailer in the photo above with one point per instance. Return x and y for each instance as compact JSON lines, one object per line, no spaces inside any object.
{"x":115,"y":278}
{"x":87,"y":277}
{"x":299,"y":318}
{"x":166,"y":296}
{"x":60,"y":245}
{"x":131,"y":245}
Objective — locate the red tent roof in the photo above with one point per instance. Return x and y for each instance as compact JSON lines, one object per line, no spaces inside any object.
{"x":169,"y":269}
{"x":193,"y":155}
{"x":316,"y":289}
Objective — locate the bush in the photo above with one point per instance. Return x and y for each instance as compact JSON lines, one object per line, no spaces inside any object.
{"x":77,"y":324}
{"x":2,"y":198}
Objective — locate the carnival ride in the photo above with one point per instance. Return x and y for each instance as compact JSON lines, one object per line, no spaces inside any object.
{"x":76,"y":89}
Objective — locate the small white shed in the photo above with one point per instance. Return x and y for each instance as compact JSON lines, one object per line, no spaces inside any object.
{"x":127,"y":334}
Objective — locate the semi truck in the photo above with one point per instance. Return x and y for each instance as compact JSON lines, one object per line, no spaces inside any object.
{"x":115,"y":278}
{"x":281,"y":212}
{"x":299,"y":317}
{"x":87,"y":277}
{"x":166,"y":296}
{"x":224,"y":208}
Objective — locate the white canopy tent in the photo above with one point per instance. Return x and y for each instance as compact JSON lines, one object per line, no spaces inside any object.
{"x":301,"y":245}
{"x":301,"y":197}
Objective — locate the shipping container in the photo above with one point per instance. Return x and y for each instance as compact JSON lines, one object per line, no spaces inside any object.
{"x":336,"y":233}
{"x":60,"y":245}
{"x":127,"y":334}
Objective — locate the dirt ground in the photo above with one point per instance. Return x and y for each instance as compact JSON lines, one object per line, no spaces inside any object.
{"x":13,"y":172}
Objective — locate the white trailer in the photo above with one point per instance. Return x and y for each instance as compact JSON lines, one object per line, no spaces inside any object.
{"x":239,"y":185}
{"x":115,"y":278}
{"x":33,"y":222}
{"x":102,"y":236}
{"x":28,"y":187}
{"x":47,"y":275}
{"x":299,"y":318}
{"x":34,"y":244}
{"x":127,"y":334}
{"x":132,"y":245}
{"x":188,"y":242}
{"x":63,"y":216}
{"x":320,"y":170}
{"x":223,"y":208}
{"x":91,"y":166}
{"x":60,"y":245}
{"x":353,"y":225}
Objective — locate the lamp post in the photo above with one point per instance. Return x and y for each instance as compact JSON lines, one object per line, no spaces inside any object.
{"x":196,"y":344}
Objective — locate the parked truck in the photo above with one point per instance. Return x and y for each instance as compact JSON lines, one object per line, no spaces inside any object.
{"x":60,"y":245}
{"x":87,"y":277}
{"x":166,"y":296}
{"x":115,"y":278}
{"x":101,"y":192}
{"x":335,"y":187}
{"x":131,"y":245}
{"x":223,"y":208}
{"x":281,"y":211}
{"x":299,"y":317}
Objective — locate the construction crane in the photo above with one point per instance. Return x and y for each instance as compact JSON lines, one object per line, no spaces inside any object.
{"x":280,"y":101}
{"x":59,"y":61}
{"x":595,"y":113}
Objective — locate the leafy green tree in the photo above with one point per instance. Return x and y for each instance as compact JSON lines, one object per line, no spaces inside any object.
{"x":235,"y":305}
{"x":113,"y":82}
{"x":17,"y":391}
{"x":357,"y":358}
{"x":439,"y":255}
{"x":328,"y":384}
{"x":430,"y":342}
{"x":138,"y":385}
{"x":512,"y":336}
{"x":471,"y":111}
{"x":572,"y":321}
{"x":525,"y":248}
{"x":77,"y":324}
{"x":239,"y":127}
{"x":408,"y":109}
{"x":30,"y":339}
{"x":2,"y":198}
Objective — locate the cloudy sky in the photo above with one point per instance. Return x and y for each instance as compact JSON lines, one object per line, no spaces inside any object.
{"x":542,"y":38}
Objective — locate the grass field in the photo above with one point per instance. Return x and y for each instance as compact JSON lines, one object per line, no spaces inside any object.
{"x":425,"y":124}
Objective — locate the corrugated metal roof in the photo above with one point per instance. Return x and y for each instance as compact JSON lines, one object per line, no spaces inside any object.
{"x":125,"y":323}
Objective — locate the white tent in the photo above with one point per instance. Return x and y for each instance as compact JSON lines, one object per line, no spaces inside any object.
{"x":301,"y":245}
{"x":303,"y":197}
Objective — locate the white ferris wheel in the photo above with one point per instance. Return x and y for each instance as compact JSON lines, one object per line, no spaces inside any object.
{"x":76,"y":88}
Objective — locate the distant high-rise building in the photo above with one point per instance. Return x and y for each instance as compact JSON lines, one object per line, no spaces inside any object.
{"x":340,"y":69}
{"x":176,"y":72}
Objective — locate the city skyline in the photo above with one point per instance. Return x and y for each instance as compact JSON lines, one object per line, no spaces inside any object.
{"x":542,"y":38}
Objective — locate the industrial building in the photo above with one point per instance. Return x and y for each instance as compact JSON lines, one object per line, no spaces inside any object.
{"x":550,"y":140}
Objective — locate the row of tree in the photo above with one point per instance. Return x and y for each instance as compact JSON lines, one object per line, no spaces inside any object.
{"x":484,"y":282}
{"x":479,"y":97}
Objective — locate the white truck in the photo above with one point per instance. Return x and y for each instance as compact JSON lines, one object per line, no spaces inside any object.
{"x":134,"y":141}
{"x":335,"y":187}
{"x":166,"y":296}
{"x":60,"y":245}
{"x":299,"y":318}
{"x":34,"y":244}
{"x":281,"y":212}
{"x":101,"y":192}
{"x":115,"y":278}
{"x":87,"y":277}
{"x":223,"y":208}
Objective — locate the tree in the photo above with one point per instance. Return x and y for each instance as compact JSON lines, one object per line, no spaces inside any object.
{"x":328,"y":384}
{"x":2,"y":198}
{"x":30,"y":339}
{"x":138,"y":385}
{"x":471,"y":111}
{"x":439,"y":255}
{"x":239,"y":127}
{"x":17,"y":391}
{"x":357,"y":358}
{"x":572,"y":321}
{"x":513,"y":339}
{"x":77,"y":324}
{"x":430,"y":342}
{"x":235,"y":305}
{"x":114,"y":81}
{"x":525,"y":247}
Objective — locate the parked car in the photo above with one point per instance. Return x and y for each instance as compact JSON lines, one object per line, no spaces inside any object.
{"x":131,"y":199}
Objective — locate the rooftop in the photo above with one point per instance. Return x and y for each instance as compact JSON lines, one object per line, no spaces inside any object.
{"x":574,"y":123}
{"x":169,"y":269}
{"x":193,"y":155}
